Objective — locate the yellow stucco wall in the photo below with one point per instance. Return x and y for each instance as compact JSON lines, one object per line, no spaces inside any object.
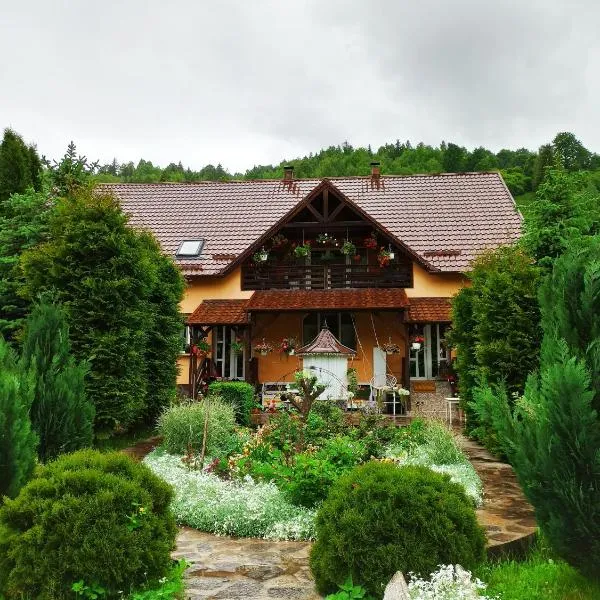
{"x":277,"y":366}
{"x":427,"y":284}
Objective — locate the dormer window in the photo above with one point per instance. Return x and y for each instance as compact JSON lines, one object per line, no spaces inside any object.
{"x":190,"y":248}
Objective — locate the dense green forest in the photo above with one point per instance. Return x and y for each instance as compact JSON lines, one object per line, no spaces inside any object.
{"x":522,"y":169}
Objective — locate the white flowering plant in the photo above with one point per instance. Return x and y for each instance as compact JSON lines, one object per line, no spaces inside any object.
{"x":226,"y":507}
{"x":449,"y":582}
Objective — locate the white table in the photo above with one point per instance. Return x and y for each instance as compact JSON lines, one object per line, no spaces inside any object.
{"x":450,"y":402}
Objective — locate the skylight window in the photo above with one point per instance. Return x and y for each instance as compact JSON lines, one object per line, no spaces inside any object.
{"x":190,"y":248}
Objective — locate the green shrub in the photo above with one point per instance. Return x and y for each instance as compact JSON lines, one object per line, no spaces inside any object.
{"x":343,"y":452}
{"x":380,"y":518}
{"x":18,"y":441}
{"x":182,"y":427}
{"x":237,"y":393}
{"x":309,"y":480}
{"x":101,"y":519}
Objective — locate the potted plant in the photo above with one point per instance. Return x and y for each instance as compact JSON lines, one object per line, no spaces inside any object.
{"x":417,"y":341}
{"x":263,"y":348}
{"x":237,"y":346}
{"x":348,"y":248}
{"x":390,"y":348}
{"x":288,"y":346}
{"x":324,"y":239}
{"x":357,"y":258}
{"x":278,"y":241}
{"x":384,"y":257}
{"x":371,"y":241}
{"x":202,"y":347}
{"x":261,"y":256}
{"x":303,"y":250}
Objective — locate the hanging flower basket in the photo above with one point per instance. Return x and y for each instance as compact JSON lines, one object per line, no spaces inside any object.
{"x":356,"y":258}
{"x":263,"y":348}
{"x":303,"y":250}
{"x":237,"y":347}
{"x":325,"y":239}
{"x":371,"y":241}
{"x":348,"y":248}
{"x":390,"y":348}
{"x":384,"y":257}
{"x":288,"y":346}
{"x":201,"y":348}
{"x":279,"y":241}
{"x":417,"y":341}
{"x":261,"y":256}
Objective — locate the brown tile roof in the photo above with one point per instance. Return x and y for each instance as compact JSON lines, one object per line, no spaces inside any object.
{"x":428,"y":310}
{"x":325,"y":343}
{"x":340,"y":299}
{"x":445,"y":219}
{"x":219,"y":312}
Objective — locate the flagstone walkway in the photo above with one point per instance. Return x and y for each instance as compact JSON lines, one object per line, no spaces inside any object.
{"x":224,"y":568}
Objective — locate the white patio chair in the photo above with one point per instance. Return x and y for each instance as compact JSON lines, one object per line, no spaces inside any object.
{"x":383,"y":384}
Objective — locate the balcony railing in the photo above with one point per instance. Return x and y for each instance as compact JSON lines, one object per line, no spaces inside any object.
{"x":325,"y":277}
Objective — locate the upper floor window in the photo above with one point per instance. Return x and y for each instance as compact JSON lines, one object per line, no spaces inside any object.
{"x":339,"y":323}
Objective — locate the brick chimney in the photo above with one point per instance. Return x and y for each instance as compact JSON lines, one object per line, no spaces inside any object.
{"x":288,"y":173}
{"x":375,"y":174}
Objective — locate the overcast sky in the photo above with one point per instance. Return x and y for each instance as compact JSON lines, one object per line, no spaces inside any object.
{"x":253,"y":82}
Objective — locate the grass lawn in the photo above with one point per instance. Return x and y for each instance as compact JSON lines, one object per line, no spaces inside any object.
{"x":127,"y":439}
{"x":538,"y":577}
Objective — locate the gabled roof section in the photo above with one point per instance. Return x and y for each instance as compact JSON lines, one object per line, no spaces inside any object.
{"x":219,"y":312}
{"x":444,"y":221}
{"x":325,"y":343}
{"x":430,"y":310}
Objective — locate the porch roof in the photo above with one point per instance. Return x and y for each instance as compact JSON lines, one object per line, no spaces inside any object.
{"x":429,"y":310}
{"x":337,"y":299}
{"x":220,"y":312}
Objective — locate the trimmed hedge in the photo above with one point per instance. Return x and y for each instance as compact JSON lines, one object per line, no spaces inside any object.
{"x":379,"y":519}
{"x":237,"y":393}
{"x":100,"y":518}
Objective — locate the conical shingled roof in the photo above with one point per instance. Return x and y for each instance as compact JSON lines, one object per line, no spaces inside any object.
{"x":325,"y":343}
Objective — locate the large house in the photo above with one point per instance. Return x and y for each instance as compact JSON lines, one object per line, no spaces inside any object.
{"x":375,"y":259}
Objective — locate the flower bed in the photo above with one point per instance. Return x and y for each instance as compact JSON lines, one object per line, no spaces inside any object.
{"x":242,"y":508}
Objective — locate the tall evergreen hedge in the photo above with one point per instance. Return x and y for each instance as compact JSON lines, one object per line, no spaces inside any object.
{"x":106,"y":276}
{"x":553,"y":435}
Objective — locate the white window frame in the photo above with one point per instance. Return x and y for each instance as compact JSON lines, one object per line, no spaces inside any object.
{"x":427,"y":349}
{"x":223,"y":335}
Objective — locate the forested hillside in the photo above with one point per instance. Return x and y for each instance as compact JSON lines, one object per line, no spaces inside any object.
{"x":522,"y":169}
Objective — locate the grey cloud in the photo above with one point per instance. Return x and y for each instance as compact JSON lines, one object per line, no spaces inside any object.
{"x":243,"y":83}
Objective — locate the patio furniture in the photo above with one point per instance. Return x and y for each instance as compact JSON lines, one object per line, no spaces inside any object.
{"x":450,"y":404}
{"x":384,"y":384}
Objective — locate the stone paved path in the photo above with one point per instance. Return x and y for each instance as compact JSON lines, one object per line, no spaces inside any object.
{"x":225,"y":568}
{"x":508,"y":518}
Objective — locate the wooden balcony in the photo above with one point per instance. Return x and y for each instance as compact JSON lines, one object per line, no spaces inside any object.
{"x":325,"y":277}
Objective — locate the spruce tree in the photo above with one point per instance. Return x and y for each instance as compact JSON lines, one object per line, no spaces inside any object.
{"x":60,"y":413}
{"x":553,"y":436}
{"x":18,"y":441}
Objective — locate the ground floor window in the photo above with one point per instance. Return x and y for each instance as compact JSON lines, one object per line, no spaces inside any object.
{"x":339,"y":323}
{"x":230,"y":363}
{"x":185,"y":336}
{"x":432,"y":359}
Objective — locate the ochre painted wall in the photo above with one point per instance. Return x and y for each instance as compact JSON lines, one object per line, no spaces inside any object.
{"x":280,"y":367}
{"x":228,"y":287}
{"x":427,"y":284}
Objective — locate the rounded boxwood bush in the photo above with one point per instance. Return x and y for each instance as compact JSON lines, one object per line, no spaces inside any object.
{"x":380,"y":518}
{"x":100,"y":518}
{"x":237,"y":393}
{"x":182,"y":427}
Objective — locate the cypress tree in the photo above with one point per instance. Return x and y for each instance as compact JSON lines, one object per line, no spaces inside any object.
{"x":553,"y":435}
{"x":18,"y":441}
{"x":61,"y":414}
{"x":164,"y":324}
